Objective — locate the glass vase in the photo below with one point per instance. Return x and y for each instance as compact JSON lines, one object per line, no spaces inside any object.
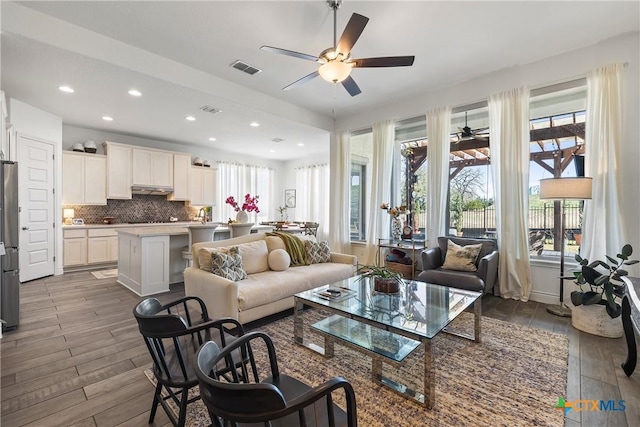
{"x":396,"y":228}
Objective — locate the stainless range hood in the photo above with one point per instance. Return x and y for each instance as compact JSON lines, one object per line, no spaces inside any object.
{"x":151,"y":190}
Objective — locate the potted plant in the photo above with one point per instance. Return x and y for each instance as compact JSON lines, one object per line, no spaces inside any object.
{"x":597,"y":310}
{"x":384,"y":280}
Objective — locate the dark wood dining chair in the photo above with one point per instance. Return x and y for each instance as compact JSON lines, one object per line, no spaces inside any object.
{"x":265,"y":397}
{"x":173,"y":333}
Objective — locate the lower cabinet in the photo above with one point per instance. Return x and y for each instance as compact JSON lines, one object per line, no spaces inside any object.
{"x":102,"y":245}
{"x":90,"y":246}
{"x":75,"y":248}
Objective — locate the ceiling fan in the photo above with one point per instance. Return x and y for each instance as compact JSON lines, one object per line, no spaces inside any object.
{"x":466,"y":133}
{"x":336,"y":61}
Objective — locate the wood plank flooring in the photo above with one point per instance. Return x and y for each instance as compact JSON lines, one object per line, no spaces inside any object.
{"x":77,"y":358}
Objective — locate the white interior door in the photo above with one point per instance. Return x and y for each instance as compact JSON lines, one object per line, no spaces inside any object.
{"x":36,"y":199}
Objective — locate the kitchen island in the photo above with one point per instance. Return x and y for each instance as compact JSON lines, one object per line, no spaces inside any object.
{"x":150,"y":258}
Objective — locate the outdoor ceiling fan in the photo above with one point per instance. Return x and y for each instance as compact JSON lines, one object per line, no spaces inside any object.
{"x":467,"y":133}
{"x":336,"y":60}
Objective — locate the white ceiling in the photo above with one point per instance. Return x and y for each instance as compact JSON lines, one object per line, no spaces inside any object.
{"x":178,"y":55}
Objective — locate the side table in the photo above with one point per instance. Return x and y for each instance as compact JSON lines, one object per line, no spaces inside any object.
{"x":413,"y":246}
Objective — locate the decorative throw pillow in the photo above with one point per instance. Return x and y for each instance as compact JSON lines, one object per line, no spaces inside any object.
{"x":461,"y":258}
{"x":279,"y":260}
{"x":317,"y":252}
{"x":204,"y":256}
{"x":228,"y":265}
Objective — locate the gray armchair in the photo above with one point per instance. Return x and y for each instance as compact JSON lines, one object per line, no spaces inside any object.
{"x":482,"y":280}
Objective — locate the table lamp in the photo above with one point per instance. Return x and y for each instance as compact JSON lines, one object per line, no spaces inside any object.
{"x":68,"y":215}
{"x":564,"y":189}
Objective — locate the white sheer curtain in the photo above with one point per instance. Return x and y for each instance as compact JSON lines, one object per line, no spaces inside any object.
{"x":509,"y":136}
{"x":378,"y":223}
{"x":438,"y":137}
{"x":312,"y":195}
{"x":235,"y":179}
{"x":340,"y":186}
{"x":602,"y":225}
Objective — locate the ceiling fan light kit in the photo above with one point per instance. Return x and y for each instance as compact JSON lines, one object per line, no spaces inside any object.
{"x":336,"y":61}
{"x":335,"y":71}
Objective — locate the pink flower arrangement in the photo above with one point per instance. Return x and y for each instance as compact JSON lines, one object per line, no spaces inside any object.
{"x":250,"y":203}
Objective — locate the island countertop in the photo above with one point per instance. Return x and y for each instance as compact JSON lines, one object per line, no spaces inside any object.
{"x":172,"y":230}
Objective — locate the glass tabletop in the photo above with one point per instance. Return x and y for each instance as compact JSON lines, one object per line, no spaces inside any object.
{"x":421,"y":308}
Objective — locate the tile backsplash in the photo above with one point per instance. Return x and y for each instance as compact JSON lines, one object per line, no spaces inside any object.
{"x":141,"y":208}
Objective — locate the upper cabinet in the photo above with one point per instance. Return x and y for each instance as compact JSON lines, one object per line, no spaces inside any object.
{"x":202,"y":186}
{"x":118,"y":170}
{"x":84,"y":179}
{"x":152,"y":167}
{"x":181,"y":177}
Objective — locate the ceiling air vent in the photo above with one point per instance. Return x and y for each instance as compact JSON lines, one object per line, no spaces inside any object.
{"x":245,"y":68}
{"x":277,"y":139}
{"x":211,"y":110}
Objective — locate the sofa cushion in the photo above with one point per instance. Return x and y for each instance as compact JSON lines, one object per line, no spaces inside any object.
{"x":317,"y":252}
{"x":461,"y":258}
{"x":204,"y":257}
{"x":254,"y":256}
{"x":279,"y":260}
{"x":228,"y":265}
{"x":270,"y":286}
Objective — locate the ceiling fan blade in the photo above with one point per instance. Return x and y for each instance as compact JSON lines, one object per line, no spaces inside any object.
{"x":351,"y":86}
{"x":290,"y":53}
{"x":387,"y":61}
{"x":302,"y":80}
{"x":351,"y":33}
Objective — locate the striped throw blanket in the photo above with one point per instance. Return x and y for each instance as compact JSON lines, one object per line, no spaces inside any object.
{"x":294,"y":247}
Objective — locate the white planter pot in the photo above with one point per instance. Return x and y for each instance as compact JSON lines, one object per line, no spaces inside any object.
{"x":593,"y":319}
{"x":242,"y":217}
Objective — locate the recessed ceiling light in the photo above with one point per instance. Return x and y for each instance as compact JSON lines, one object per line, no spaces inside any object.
{"x":134,"y":92}
{"x":272,"y":151}
{"x":66,"y":89}
{"x":300,"y":144}
{"x":107,"y":118}
{"x":190,"y":118}
{"x":212,"y":139}
{"x":254,"y":124}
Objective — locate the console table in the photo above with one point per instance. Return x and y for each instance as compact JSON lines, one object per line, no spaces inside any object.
{"x":631,"y":320}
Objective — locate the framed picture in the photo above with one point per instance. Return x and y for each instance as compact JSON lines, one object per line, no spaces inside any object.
{"x":290,"y":198}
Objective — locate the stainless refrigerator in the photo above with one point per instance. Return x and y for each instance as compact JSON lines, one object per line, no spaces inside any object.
{"x":9,"y":279}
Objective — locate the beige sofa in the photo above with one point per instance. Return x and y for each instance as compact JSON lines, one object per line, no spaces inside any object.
{"x":264,"y":291}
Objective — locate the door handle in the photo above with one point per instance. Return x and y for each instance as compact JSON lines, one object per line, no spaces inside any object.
{"x":25,"y":228}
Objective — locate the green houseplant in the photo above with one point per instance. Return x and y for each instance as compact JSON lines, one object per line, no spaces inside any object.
{"x":603,"y":287}
{"x":385,"y":280}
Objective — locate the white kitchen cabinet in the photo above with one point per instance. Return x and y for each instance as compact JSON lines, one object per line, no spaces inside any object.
{"x":84,"y":179}
{"x":100,"y":245}
{"x":118,"y":170}
{"x":202,"y":186}
{"x":181,"y":177}
{"x":74,"y":248}
{"x":152,"y":167}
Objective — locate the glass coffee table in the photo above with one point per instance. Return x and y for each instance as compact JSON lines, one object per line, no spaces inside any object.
{"x":387,"y":327}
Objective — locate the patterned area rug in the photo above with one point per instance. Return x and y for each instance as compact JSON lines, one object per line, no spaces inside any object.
{"x":105,"y":274}
{"x":512,"y":378}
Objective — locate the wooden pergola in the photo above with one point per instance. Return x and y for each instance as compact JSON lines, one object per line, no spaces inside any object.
{"x":475,"y":151}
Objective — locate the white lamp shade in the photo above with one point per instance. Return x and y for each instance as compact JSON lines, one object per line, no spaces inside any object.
{"x":565,"y":188}
{"x":335,"y":71}
{"x":68,"y":213}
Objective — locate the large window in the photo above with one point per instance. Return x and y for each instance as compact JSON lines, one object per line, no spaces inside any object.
{"x":361,"y":154}
{"x":236,"y":180}
{"x":556,"y":146}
